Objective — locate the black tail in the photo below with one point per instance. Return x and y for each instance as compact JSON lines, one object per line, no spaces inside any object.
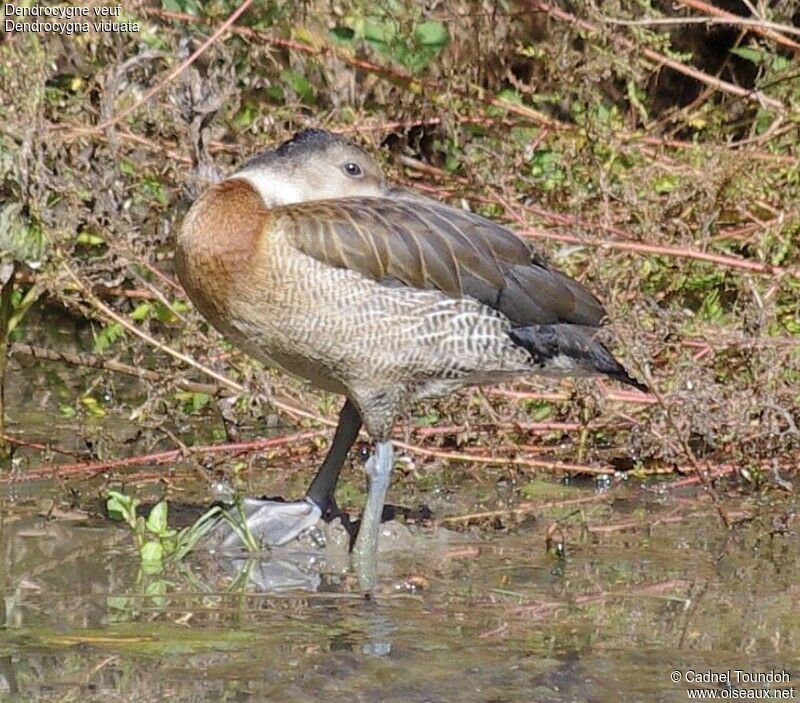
{"x":556,"y":347}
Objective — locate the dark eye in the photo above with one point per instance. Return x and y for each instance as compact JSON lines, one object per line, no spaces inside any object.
{"x":353,"y":170}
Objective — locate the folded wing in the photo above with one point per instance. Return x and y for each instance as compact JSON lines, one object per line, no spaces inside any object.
{"x":420,"y":243}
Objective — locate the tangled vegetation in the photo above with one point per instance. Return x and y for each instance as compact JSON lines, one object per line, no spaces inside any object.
{"x":649,"y":148}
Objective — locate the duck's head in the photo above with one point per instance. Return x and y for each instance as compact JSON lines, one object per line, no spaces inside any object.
{"x":313,"y":165}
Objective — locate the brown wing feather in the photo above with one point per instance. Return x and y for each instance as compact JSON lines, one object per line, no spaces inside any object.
{"x":427,"y":245}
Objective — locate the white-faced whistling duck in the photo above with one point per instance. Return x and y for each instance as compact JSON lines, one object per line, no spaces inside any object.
{"x":309,"y":261}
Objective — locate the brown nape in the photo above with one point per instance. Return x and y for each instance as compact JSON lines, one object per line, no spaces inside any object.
{"x":217,"y":245}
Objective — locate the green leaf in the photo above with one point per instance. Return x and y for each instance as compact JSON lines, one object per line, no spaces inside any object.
{"x":711,"y":309}
{"x":540,"y":410}
{"x":375,"y":31}
{"x":431,"y":33}
{"x":452,"y":163}
{"x":545,"y":165}
{"x":300,"y":85}
{"x":169,"y":541}
{"x":665,"y":184}
{"x":780,"y":63}
{"x":188,"y":537}
{"x":89,"y":239}
{"x":199,"y":401}
{"x":151,"y":551}
{"x":754,"y":55}
{"x":141,"y":312}
{"x":121,"y":507}
{"x":246,"y":115}
{"x":155,"y":190}
{"x":275,"y":93}
{"x":107,"y":336}
{"x":157,"y":590}
{"x":427,"y":420}
{"x":510,"y":96}
{"x":93,"y":406}
{"x":163,"y":313}
{"x":116,"y":505}
{"x":157,"y":519}
{"x":118,"y":602}
{"x":637,"y":98}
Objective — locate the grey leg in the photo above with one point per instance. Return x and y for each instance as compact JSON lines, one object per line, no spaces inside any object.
{"x":273,"y":523}
{"x":365,"y":553}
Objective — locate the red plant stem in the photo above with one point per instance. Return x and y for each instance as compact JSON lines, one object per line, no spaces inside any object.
{"x":680,"y":252}
{"x":530,"y":427}
{"x":36,"y":445}
{"x":710,"y":9}
{"x":92,"y":468}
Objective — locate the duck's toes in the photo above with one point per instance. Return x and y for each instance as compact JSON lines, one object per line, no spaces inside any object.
{"x":274,"y":523}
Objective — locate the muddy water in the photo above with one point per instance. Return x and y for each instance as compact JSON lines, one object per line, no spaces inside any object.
{"x":460,"y":617}
{"x":650,"y":583}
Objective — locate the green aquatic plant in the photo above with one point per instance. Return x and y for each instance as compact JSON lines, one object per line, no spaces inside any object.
{"x":157,"y":541}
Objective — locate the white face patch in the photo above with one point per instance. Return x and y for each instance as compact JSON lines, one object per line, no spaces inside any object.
{"x":279,"y":186}
{"x":273,"y":189}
